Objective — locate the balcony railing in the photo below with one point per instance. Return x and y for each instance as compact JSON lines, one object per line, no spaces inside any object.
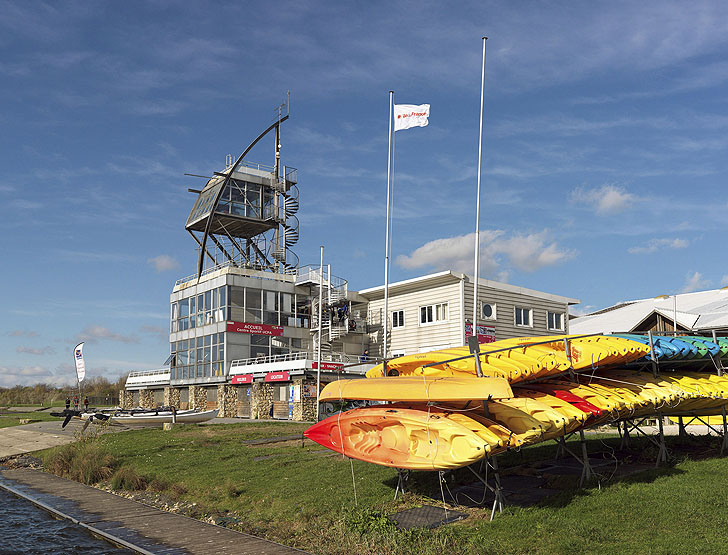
{"x":301,"y":355}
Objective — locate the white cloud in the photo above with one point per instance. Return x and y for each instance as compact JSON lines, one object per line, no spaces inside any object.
{"x":695,"y":282}
{"x":22,"y":333}
{"x":35,"y":350}
{"x":605,"y":200}
{"x":453,"y":253}
{"x":724,"y":280}
{"x":164,"y":263}
{"x":26,"y":375}
{"x":581,"y":310}
{"x":653,"y":245}
{"x":527,"y":253}
{"x":93,"y":333}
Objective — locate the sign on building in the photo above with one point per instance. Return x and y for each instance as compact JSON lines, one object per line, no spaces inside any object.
{"x":260,"y":329}
{"x":486,"y":334}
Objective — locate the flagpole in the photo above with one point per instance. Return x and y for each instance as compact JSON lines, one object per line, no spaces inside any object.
{"x":386,"y":247}
{"x":320,"y":330}
{"x":477,"y":203}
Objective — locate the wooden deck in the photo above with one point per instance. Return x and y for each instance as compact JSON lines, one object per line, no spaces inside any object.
{"x":150,"y":529}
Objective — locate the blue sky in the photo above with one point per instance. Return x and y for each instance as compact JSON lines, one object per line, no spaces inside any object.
{"x":604,"y":154}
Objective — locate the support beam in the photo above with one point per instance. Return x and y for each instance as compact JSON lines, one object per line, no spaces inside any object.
{"x":402,"y":477}
{"x":199,"y":243}
{"x":222,"y":248}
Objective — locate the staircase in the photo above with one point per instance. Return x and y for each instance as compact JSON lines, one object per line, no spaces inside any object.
{"x":332,"y":290}
{"x":290,"y":225}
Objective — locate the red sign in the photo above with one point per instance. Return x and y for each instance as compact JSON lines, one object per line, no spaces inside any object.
{"x":329,"y":366}
{"x":278,"y":376}
{"x":243,"y":378}
{"x":486,"y":334}
{"x":261,"y":329}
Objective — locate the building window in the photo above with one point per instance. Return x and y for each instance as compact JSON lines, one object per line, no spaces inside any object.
{"x":523,"y":317}
{"x":433,"y":313}
{"x":556,"y":321}
{"x":397,"y":353}
{"x":487,"y":311}
{"x":398,"y":319}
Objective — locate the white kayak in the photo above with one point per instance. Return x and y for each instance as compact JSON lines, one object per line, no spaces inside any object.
{"x":137,"y":416}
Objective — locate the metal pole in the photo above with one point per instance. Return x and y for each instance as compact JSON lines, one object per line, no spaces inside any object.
{"x":477,"y":202}
{"x":653,"y":358}
{"x":320,"y":315}
{"x":386,"y":247}
{"x":674,"y":315}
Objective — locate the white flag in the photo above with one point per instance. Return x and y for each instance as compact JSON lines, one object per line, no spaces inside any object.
{"x":80,"y":366}
{"x":409,"y":115}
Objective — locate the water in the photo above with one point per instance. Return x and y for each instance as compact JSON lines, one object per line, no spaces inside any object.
{"x":26,"y":529}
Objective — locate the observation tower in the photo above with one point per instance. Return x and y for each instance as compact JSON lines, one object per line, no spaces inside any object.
{"x":245,"y":215}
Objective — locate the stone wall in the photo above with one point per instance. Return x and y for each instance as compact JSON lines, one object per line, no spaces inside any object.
{"x":146,"y":399}
{"x":126,"y":399}
{"x":171,"y":397}
{"x":261,"y":400}
{"x":227,"y":401}
{"x":305,"y":409}
{"x":198,"y":397}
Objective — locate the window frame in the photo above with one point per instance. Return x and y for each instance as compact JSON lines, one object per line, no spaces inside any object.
{"x":562,"y":320}
{"x":397,"y":322}
{"x":433,"y":310}
{"x":526,"y":310}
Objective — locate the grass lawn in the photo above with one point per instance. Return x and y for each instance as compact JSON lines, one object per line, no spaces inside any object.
{"x":13,"y":418}
{"x":304,"y":496}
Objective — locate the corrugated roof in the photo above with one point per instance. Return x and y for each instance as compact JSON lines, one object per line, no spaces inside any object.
{"x":701,"y":310}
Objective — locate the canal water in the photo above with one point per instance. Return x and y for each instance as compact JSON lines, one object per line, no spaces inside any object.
{"x":26,"y":529}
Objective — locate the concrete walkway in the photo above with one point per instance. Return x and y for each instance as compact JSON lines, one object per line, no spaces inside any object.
{"x":148,"y":529}
{"x":18,"y":440}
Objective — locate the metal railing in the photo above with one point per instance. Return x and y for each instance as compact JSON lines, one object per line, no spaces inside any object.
{"x":312,"y":273}
{"x":205,"y":272}
{"x":301,"y":355}
{"x":147,"y":373}
{"x":254,"y":166}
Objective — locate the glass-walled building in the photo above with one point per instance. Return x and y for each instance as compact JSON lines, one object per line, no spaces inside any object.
{"x":235,"y":314}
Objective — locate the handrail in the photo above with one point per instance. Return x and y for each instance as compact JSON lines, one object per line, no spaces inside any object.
{"x":144,"y":373}
{"x":300,"y":355}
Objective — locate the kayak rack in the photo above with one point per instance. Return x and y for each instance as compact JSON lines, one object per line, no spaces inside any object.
{"x":496,"y":489}
{"x":636,"y":425}
{"x":587,"y":472}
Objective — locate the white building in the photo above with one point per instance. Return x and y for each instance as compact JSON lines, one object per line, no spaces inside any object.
{"x":436,"y":312}
{"x":701,"y":312}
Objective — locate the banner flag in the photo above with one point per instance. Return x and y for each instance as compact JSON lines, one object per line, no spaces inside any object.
{"x":410,"y":115}
{"x":80,"y":366}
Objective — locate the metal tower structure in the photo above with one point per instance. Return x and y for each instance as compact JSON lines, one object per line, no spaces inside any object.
{"x":245,"y":216}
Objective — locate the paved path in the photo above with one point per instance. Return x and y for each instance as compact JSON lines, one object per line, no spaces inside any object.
{"x":150,"y":529}
{"x":17,"y":440}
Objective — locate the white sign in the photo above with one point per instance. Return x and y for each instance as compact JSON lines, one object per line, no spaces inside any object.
{"x":410,"y":115}
{"x":80,"y":366}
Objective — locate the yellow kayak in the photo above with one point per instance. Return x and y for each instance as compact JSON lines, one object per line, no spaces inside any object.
{"x":519,"y":359}
{"x":572,"y":413}
{"x":418,"y":389}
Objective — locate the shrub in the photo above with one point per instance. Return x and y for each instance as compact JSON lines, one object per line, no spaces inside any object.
{"x":127,"y":478}
{"x":84,"y":462}
{"x":177,"y":489}
{"x":159,"y":484}
{"x":368,"y":520}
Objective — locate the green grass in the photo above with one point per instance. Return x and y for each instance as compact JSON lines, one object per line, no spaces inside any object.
{"x":8,"y":419}
{"x":304,"y":496}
